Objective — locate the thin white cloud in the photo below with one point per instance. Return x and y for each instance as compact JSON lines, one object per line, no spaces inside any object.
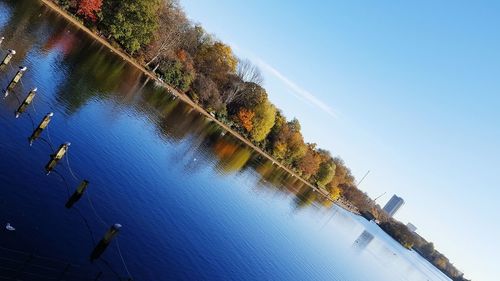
{"x":297,"y":90}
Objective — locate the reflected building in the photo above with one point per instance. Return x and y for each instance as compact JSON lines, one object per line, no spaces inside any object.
{"x":364,"y":239}
{"x":393,"y":205}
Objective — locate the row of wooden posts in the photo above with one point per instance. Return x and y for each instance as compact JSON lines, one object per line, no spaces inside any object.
{"x":58,"y":155}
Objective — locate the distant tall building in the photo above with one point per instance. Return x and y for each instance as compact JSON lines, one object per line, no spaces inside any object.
{"x":393,"y":205}
{"x":411,"y":227}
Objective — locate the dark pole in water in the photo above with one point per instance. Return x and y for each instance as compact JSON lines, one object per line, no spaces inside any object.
{"x":15,"y":80}
{"x":36,"y":133}
{"x":55,"y":158}
{"x":104,"y":243}
{"x":78,"y":194}
{"x":8,"y":57}
{"x":26,"y":102}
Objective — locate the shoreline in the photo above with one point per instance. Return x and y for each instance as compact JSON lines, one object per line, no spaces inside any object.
{"x":55,"y":8}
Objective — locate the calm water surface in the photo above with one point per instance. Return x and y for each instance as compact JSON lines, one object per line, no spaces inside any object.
{"x":195,"y":203}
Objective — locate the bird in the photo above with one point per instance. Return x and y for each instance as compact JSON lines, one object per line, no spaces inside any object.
{"x":9,"y":227}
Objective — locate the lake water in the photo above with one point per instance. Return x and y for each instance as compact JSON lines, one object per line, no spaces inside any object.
{"x":194,"y":202}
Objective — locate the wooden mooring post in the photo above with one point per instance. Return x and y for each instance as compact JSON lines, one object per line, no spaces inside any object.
{"x":38,"y":131}
{"x":77,"y":194}
{"x":15,"y":80}
{"x":26,"y":102}
{"x":104,"y":243}
{"x":8,"y":57}
{"x":56,"y":157}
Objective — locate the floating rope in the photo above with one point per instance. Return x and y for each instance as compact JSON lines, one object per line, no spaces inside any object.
{"x":95,"y":211}
{"x":69,"y":166}
{"x":123,"y":260}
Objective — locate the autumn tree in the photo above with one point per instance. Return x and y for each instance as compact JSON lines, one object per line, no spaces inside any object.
{"x":342,"y":175}
{"x":168,"y":37}
{"x":357,"y":197}
{"x":309,"y":163}
{"x":335,"y":192}
{"x":131,"y":23}
{"x":89,"y":9}
{"x":194,"y":37}
{"x":178,"y":71}
{"x":285,"y":140}
{"x":325,"y":174}
{"x":265,"y":114}
{"x":296,"y":147}
{"x":245,"y":117}
{"x":249,"y":97}
{"x":215,"y":60}
{"x":277,"y":137}
{"x":205,"y":91}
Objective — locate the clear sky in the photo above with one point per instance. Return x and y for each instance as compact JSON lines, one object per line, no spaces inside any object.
{"x":409,"y":90}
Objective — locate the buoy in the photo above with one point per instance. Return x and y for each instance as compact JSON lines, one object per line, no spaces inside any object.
{"x":26,"y":102}
{"x":15,"y":80}
{"x":78,"y":194}
{"x":55,"y":158}
{"x":104,"y":243}
{"x":1,"y":40}
{"x":38,"y":131}
{"x":8,"y":57}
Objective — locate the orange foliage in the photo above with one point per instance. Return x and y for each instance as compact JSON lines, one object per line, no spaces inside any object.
{"x":182,"y":55}
{"x":245,"y":117}
{"x":89,"y":9}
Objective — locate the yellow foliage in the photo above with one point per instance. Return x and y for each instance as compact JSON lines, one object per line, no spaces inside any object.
{"x":226,"y":55}
{"x":280,"y":150}
{"x":265,"y":114}
{"x":335,"y":193}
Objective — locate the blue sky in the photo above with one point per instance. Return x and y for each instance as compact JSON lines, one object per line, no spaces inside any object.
{"x":409,"y":90}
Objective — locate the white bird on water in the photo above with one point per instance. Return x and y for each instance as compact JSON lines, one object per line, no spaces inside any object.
{"x":9,"y":227}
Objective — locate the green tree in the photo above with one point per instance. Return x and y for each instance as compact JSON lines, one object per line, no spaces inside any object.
{"x":131,"y":23}
{"x":179,"y":71}
{"x":66,"y":4}
{"x":325,"y":174}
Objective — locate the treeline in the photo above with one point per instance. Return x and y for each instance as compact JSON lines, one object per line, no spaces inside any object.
{"x":426,"y":249}
{"x":199,"y":65}
{"x":403,"y":235}
{"x":158,"y":34}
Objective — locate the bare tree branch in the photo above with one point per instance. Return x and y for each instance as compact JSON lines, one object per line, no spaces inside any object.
{"x":248,"y":72}
{"x":169,"y":35}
